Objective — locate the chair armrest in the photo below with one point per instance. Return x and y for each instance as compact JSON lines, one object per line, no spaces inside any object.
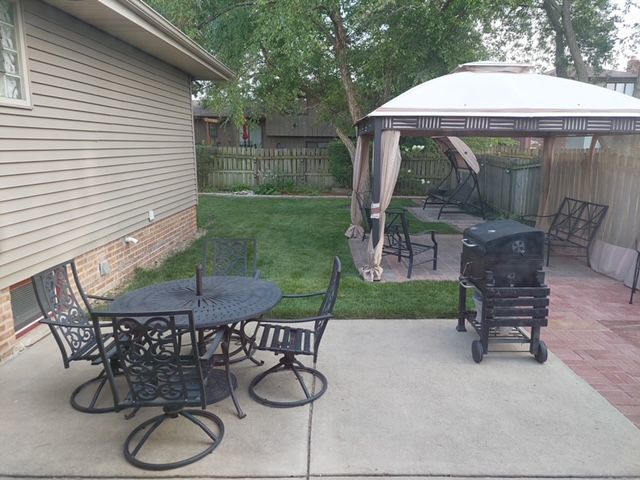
{"x":298,"y":320}
{"x":212,"y":347}
{"x":304,"y":295}
{"x":98,"y":297}
{"x":54,"y":323}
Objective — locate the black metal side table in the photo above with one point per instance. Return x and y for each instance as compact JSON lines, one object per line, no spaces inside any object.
{"x":218,"y":302}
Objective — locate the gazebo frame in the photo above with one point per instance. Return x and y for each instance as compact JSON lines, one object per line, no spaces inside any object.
{"x":461,"y":123}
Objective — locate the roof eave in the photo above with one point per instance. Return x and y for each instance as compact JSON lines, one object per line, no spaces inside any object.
{"x":139,"y":25}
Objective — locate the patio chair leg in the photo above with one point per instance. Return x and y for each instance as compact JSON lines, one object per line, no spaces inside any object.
{"x":225,"y":354}
{"x":288,"y":363}
{"x":101,"y":380}
{"x":152,"y":425}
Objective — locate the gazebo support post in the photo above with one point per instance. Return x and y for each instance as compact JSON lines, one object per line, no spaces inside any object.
{"x":377,"y":181}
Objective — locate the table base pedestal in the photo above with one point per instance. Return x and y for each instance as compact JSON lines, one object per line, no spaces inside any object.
{"x":217,"y":388}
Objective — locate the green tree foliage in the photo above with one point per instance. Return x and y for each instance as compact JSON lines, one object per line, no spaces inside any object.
{"x":344,"y":58}
{"x":341,"y":57}
{"x":573,"y":35}
{"x":340,"y":164}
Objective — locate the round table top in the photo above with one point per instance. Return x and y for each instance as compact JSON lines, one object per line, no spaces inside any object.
{"x":224,"y":300}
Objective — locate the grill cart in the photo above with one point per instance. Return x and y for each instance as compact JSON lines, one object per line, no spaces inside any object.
{"x":502,"y":262}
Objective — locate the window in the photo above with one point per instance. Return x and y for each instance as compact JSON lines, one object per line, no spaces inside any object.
{"x":623,"y":87}
{"x":14,"y":87}
{"x":24,"y":305}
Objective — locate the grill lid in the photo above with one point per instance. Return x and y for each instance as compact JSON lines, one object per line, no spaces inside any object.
{"x":491,"y":236}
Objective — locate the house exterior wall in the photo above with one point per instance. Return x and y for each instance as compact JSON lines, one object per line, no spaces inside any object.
{"x":108,"y":138}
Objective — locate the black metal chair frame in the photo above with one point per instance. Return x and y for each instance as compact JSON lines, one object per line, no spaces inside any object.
{"x":158,"y":374}
{"x":573,"y":226}
{"x":71,"y":328}
{"x":399,"y":244}
{"x":286,"y":338}
{"x":458,"y":199}
{"x":636,"y":272}
{"x":240,"y":258}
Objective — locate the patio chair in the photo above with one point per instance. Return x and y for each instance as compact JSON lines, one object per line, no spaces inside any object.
{"x":232,"y":256}
{"x":288,"y":339}
{"x":70,"y":324}
{"x":364,"y":204}
{"x":573,"y":226}
{"x":636,"y":272}
{"x":398,"y":242}
{"x":149,"y":346}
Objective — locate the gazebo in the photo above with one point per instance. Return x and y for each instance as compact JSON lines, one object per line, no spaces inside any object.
{"x":479,"y":99}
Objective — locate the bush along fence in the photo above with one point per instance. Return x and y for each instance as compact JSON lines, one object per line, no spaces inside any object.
{"x":509,"y":181}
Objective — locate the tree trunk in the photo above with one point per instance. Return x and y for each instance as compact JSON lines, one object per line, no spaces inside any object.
{"x":351,"y":147}
{"x":561,"y":63}
{"x":582,"y":75}
{"x":341,"y":46}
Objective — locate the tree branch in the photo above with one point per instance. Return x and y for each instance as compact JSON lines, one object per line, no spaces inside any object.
{"x":582,"y":74}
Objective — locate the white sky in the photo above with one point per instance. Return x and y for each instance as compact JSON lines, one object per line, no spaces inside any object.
{"x":631,"y":23}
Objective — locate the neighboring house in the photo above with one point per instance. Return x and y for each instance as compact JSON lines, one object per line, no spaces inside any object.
{"x":304,"y":130}
{"x":96,"y":144}
{"x":623,"y":82}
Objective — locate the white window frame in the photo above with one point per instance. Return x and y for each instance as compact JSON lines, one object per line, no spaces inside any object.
{"x":22,"y":59}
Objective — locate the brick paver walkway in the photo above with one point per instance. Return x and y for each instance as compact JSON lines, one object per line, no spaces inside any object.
{"x":594,"y":330}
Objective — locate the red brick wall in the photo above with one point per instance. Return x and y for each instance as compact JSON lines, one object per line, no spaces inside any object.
{"x":7,"y":335}
{"x":155,"y":243}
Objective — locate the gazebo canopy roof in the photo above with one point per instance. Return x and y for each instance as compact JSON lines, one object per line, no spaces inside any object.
{"x":489,"y":98}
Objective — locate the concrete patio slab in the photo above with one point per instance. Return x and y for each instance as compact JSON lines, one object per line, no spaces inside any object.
{"x":46,"y":437}
{"x":419,"y":405}
{"x":405,"y":400}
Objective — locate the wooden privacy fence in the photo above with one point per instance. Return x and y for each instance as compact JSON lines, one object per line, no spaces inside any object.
{"x":224,"y":168}
{"x":510,"y":185}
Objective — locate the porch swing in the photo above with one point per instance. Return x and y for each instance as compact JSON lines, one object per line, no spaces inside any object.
{"x":459,"y":190}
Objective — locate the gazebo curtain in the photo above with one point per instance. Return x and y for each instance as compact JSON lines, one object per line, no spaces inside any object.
{"x":360,"y":184}
{"x":390,"y":168}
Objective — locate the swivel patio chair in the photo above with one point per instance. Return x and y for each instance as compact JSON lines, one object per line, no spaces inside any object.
{"x":238,"y":257}
{"x":398,"y":242}
{"x":70,"y":324}
{"x":287,"y":338}
{"x":149,"y":346}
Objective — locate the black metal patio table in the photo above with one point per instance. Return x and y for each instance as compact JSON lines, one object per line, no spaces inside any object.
{"x":218,"y":302}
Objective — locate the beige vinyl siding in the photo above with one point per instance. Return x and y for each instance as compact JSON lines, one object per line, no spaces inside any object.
{"x":109,"y":137}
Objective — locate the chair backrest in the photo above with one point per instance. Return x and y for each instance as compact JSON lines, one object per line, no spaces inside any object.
{"x":68,"y":318}
{"x":577,"y":220}
{"x":231,"y":256}
{"x":329,"y":301}
{"x":148,"y":348}
{"x":398,"y":226}
{"x":364,"y":204}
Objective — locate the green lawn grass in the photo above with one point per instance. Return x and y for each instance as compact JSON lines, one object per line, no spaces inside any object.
{"x":297,"y":239}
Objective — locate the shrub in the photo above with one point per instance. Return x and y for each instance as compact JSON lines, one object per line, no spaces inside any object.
{"x":340,"y":164}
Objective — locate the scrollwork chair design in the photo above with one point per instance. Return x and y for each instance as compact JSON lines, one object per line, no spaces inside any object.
{"x":70,"y":324}
{"x":287,"y":338}
{"x":149,"y":347}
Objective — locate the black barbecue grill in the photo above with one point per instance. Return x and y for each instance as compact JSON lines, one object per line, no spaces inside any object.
{"x":502,"y":261}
